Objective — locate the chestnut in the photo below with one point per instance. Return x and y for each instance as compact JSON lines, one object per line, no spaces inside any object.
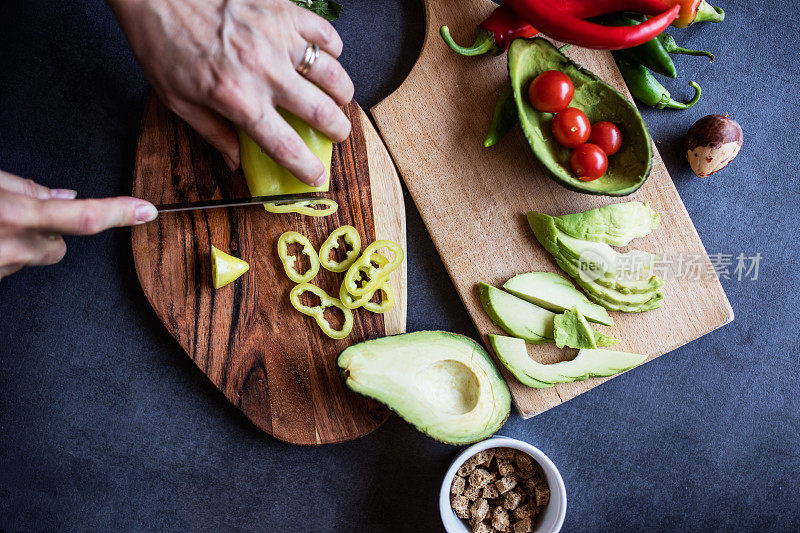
{"x":711,"y":143}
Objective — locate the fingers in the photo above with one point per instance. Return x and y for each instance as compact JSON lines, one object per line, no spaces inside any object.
{"x":31,"y":189}
{"x":213,"y":128}
{"x":315,"y":29}
{"x":87,"y":217}
{"x":31,"y":248}
{"x":330,"y":76}
{"x":282,"y":143}
{"x":309,"y":103}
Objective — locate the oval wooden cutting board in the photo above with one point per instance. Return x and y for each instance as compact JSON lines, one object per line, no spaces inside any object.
{"x":270,"y":361}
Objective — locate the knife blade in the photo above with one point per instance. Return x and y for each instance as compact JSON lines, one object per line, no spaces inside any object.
{"x":236,"y":202}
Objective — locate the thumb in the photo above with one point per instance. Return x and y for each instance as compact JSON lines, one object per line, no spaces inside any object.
{"x":87,"y":217}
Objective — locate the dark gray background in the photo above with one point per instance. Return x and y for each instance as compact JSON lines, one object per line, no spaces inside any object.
{"x":107,"y":424}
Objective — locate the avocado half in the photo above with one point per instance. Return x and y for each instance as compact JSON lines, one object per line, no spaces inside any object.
{"x":446,"y":385}
{"x":627,"y":169}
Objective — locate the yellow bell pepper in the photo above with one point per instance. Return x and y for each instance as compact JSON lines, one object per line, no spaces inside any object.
{"x":225,"y":268}
{"x":288,"y":261}
{"x":352,"y":302}
{"x":318,"y":312}
{"x":265,"y":177}
{"x":350,"y":236}
{"x":304,"y":207}
{"x":386,"y":303}
{"x":375,"y":275}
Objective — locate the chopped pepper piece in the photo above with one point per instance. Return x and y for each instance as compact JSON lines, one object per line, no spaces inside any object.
{"x":353,"y":302}
{"x":375,"y":275}
{"x":288,"y":260}
{"x":225,"y":268}
{"x":318,"y":312}
{"x":304,"y":207}
{"x":387,"y":300}
{"x":350,"y":236}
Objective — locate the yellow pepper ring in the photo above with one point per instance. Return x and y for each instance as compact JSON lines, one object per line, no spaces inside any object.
{"x":318,"y":312}
{"x":304,"y":207}
{"x":288,"y":260}
{"x":375,"y":275}
{"x":350,"y":236}
{"x":351,"y":301}
{"x":386,"y":303}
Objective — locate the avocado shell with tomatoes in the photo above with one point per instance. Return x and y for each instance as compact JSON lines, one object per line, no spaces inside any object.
{"x":627,"y":169}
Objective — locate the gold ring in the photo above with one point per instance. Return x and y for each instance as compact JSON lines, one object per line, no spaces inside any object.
{"x":309,"y":57}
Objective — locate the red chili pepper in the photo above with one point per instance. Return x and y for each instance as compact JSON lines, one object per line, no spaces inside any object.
{"x":572,"y":29}
{"x":494,"y":34}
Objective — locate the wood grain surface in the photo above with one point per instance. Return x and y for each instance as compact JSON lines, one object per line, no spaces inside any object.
{"x":270,"y":361}
{"x":473,"y":200}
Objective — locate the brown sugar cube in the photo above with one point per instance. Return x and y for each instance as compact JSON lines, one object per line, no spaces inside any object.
{"x":504,"y":454}
{"x":482,"y":527}
{"x":542,"y":495}
{"x":472,"y":493}
{"x":479,"y":478}
{"x":479,"y":509}
{"x":458,"y":485}
{"x":512,"y":500}
{"x":460,"y":505}
{"x":490,"y":492}
{"x":501,"y":520}
{"x":523,"y":511}
{"x":524,"y":526}
{"x":505,"y":484}
{"x":505,"y":468}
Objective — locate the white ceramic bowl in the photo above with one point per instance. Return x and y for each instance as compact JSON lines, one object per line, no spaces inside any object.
{"x":550,"y":521}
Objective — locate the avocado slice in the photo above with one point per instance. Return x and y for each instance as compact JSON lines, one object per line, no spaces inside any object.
{"x":516,"y":316}
{"x":571,"y":329}
{"x":555,"y":293}
{"x":590,"y":362}
{"x":613,"y":294}
{"x":627,"y":169}
{"x":614,"y":224}
{"x":442,"y":383}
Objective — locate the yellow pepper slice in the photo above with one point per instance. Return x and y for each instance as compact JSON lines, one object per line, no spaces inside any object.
{"x":386,"y":303}
{"x":376,"y":275}
{"x":225,"y":268}
{"x":351,"y":301}
{"x":265,"y":177}
{"x":350,"y":236}
{"x":288,"y":261}
{"x":318,"y":312}
{"x":304,"y":207}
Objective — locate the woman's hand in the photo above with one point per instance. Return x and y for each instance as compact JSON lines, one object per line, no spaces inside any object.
{"x":214,"y":62}
{"x":33,"y":218}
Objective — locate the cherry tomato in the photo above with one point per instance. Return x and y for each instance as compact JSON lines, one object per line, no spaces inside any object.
{"x":571,"y":127}
{"x":551,"y":91}
{"x":588,"y":162}
{"x":606,"y":135}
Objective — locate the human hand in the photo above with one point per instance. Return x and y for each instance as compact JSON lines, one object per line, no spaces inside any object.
{"x":33,"y":218}
{"x":215,"y":62}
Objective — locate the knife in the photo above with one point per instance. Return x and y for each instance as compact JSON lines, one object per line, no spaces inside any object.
{"x":236,"y":202}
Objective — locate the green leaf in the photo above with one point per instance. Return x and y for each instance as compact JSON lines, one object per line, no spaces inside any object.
{"x":327,"y":9}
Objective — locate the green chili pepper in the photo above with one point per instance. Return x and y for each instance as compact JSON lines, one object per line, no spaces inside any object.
{"x":669,"y":44}
{"x":504,"y":118}
{"x":352,"y":302}
{"x":304,"y":207}
{"x":646,"y":88}
{"x":386,"y":303}
{"x":375,"y":275}
{"x":288,"y":261}
{"x":651,"y":54}
{"x":350,"y":236}
{"x":318,"y":312}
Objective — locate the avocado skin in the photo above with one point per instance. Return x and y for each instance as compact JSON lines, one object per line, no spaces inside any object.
{"x":636,"y":152}
{"x":498,"y":385}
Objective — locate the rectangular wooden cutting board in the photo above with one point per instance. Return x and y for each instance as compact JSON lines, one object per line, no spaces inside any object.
{"x":473,"y":200}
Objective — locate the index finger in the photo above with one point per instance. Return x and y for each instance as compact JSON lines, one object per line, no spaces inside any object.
{"x":87,"y":217}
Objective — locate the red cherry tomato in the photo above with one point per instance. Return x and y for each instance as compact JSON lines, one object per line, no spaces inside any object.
{"x":551,"y":91}
{"x":606,"y":135}
{"x":588,"y":162}
{"x":571,"y":127}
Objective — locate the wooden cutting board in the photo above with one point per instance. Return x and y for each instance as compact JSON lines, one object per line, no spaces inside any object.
{"x":473,"y":200}
{"x":270,"y":361}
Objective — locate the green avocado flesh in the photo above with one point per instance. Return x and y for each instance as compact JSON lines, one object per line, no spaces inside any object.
{"x":516,"y":316}
{"x":627,"y":169}
{"x":556,"y":294}
{"x":444,"y":384}
{"x":571,"y":329}
{"x":614,"y":224}
{"x":618,"y":282}
{"x":591,"y":362}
